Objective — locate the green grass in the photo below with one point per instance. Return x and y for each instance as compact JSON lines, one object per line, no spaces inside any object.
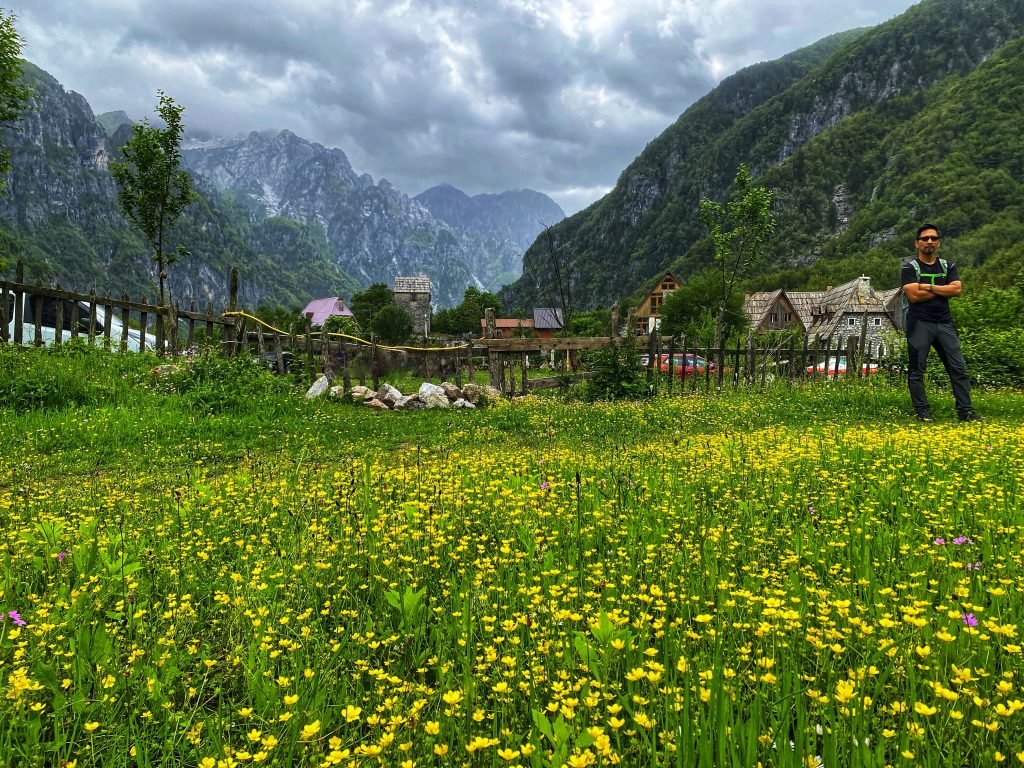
{"x":212,"y":569}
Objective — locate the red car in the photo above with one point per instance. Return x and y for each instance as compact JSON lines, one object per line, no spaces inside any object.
{"x":683,"y":367}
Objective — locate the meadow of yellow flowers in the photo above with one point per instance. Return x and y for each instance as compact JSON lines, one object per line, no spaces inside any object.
{"x":687,"y":582}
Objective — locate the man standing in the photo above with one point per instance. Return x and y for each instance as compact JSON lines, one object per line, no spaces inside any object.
{"x":928,"y":284}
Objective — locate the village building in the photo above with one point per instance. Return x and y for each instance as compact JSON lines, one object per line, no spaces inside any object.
{"x":771,"y":311}
{"x":853,"y":309}
{"x":892,"y":300}
{"x":510,"y":327}
{"x":413,"y":295}
{"x":319,"y":311}
{"x":648,"y":312}
{"x":547,"y":321}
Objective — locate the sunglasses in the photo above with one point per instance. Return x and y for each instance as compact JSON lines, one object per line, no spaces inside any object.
{"x":928,"y":239}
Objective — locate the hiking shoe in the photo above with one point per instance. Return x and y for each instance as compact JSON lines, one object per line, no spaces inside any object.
{"x":970,"y":416}
{"x":924,"y":416}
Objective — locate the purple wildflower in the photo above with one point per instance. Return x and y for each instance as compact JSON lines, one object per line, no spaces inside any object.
{"x":16,"y":618}
{"x":544,"y":485}
{"x":962,"y":540}
{"x":969,"y":619}
{"x":940,"y":540}
{"x":62,"y":555}
{"x":974,"y":566}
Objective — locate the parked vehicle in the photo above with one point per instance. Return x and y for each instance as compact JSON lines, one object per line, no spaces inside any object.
{"x":291,"y":362}
{"x":47,"y":309}
{"x":833,"y":367}
{"x":688,"y":365}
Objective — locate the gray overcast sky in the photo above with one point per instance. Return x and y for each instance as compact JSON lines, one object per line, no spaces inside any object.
{"x":488,"y":95}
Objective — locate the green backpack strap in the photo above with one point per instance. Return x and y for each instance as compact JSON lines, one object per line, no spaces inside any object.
{"x":917,"y":269}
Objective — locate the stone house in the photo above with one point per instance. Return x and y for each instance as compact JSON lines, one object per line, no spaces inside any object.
{"x":413,"y":295}
{"x":850,"y":310}
{"x":835,"y":314}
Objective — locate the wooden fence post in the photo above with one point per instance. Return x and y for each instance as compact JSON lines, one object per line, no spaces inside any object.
{"x":19,"y":298}
{"x":171,"y":328}
{"x":672,"y":362}
{"x":161,"y":331}
{"x":652,"y":353}
{"x":209,"y":324}
{"x":737,"y":363}
{"x":125,"y":314}
{"x":280,"y":353}
{"x":231,"y":331}
{"x":38,"y":317}
{"x":493,"y":358}
{"x":58,"y":337}
{"x":190,"y":338}
{"x":4,"y":313}
{"x":861,"y":357}
{"x":108,"y":318}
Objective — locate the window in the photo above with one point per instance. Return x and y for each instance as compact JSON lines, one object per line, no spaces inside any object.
{"x":775,"y":317}
{"x":788,"y":316}
{"x":851,"y":322}
{"x":655,"y":302}
{"x":878,"y":322}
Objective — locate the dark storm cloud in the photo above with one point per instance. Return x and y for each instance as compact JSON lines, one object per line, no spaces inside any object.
{"x":556,"y":95}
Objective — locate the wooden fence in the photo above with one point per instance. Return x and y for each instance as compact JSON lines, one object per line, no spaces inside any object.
{"x":121,"y":323}
{"x":174,"y":330}
{"x":93,"y":317}
{"x":674,"y":364}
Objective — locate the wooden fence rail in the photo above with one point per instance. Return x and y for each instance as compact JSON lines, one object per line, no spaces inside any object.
{"x":122,"y":322}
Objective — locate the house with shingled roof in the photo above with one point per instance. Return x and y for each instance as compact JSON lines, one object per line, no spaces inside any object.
{"x":852,"y":309}
{"x":771,"y":311}
{"x":835,"y":314}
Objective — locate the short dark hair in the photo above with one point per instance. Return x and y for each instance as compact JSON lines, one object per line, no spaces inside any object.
{"x":927,"y":226}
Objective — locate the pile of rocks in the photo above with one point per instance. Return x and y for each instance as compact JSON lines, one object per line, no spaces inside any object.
{"x":428,"y":395}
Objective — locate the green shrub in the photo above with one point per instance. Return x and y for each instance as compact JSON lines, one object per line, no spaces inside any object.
{"x":212,"y":384}
{"x":995,"y":358}
{"x":72,"y":374}
{"x":618,"y":373}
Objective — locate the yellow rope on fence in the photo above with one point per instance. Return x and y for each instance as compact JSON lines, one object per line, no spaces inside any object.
{"x":346,"y":336}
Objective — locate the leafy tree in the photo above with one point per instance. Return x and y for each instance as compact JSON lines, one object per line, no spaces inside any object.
{"x":466,"y":317}
{"x":694,"y":307}
{"x":739,"y":231}
{"x":153,"y":188}
{"x":597,"y":322}
{"x":13,"y":93}
{"x":366,"y":304}
{"x":392,"y":324}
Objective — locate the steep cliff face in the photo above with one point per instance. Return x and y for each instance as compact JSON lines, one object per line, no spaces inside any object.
{"x":292,"y":215}
{"x":60,"y":159}
{"x":763,"y":116}
{"x":60,"y":215}
{"x":375,"y":231}
{"x":494,"y":229}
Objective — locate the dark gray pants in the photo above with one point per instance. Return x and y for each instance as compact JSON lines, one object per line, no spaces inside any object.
{"x":921,"y":337}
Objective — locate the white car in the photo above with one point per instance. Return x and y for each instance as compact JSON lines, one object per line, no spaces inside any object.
{"x":48,"y":308}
